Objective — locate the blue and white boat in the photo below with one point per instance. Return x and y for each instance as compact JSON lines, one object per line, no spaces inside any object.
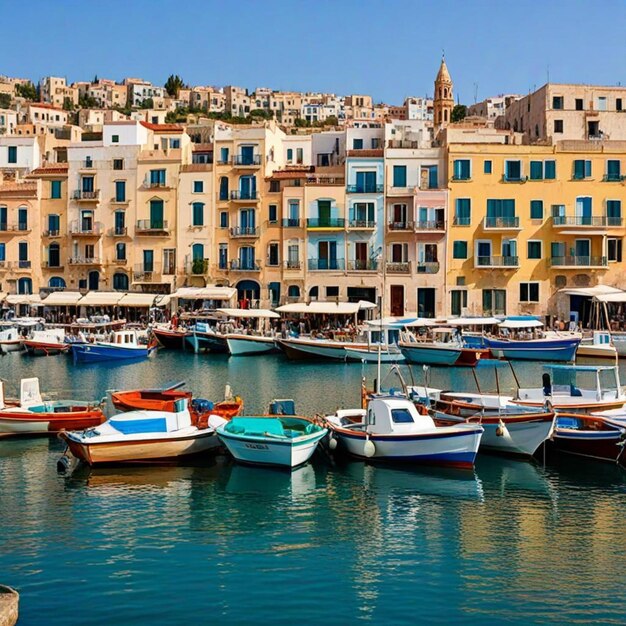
{"x":522,"y":338}
{"x":280,"y":440}
{"x":202,"y":336}
{"x":124,"y":346}
{"x":429,"y":349}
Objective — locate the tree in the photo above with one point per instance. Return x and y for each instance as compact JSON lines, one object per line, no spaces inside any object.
{"x":68,"y":105}
{"x":459,"y":112}
{"x":331,"y":120}
{"x":262,"y":113}
{"x":173,"y":85}
{"x":87,"y":102}
{"x":5,"y":100}
{"x":26,"y":90}
{"x":300,"y":122}
{"x":148,"y":103}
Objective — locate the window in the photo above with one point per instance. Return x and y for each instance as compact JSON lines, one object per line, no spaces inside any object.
{"x":513,"y":170}
{"x":272,"y":254}
{"x":529,"y":292}
{"x":618,"y":104}
{"x":578,"y":104}
{"x":22,"y":219}
{"x":224,"y":188}
{"x":120,"y":251}
{"x":120,"y":191}
{"x":558,"y":126}
{"x":536,"y":209}
{"x":223,"y":256}
{"x":602,"y":103}
{"x":463,"y":212}
{"x":557,"y":102}
{"x":536,"y":170}
{"x":157,"y":178}
{"x":462,"y":169}
{"x":54,"y":224}
{"x":399,"y":175}
{"x":274,"y":186}
{"x":55,"y":189}
{"x":332,"y":292}
{"x":534,"y":249}
{"x":459,"y":250}
{"x":174,"y":144}
{"x":487,"y":167}
{"x":375,"y":143}
{"x":613,"y":170}
{"x":273,"y":213}
{"x":494,"y":301}
{"x":120,"y":282}
{"x":223,"y":155}
{"x":289,"y":155}
{"x":224,"y":219}
{"x":115,"y":138}
{"x":120,"y":223}
{"x":357,"y":144}
{"x":582,"y":169}
{"x":197,"y":214}
{"x":401,"y":416}
{"x":118,"y":164}
{"x":614,"y":212}
{"x":459,"y":301}
{"x":198,"y":186}
{"x":12,"y":154}
{"x":299,"y":155}
{"x":22,"y":252}
{"x":614,"y":249}
{"x":549,"y":170}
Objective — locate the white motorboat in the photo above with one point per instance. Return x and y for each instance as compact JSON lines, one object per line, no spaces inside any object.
{"x":392,"y":429}
{"x":11,"y":340}
{"x":309,"y":348}
{"x":599,"y":346}
{"x":255,"y":338}
{"x":246,"y":345}
{"x":382,"y":339}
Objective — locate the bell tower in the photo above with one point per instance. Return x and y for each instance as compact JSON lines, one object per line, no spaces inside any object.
{"x":444,"y":100}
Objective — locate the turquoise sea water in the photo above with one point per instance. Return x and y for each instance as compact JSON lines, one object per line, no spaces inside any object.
{"x":217,"y":543}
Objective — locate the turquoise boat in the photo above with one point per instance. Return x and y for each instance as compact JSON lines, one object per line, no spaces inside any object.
{"x":429,"y":353}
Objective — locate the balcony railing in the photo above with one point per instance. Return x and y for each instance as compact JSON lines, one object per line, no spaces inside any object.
{"x":155,"y":184}
{"x":14,"y":228}
{"x":398,"y":267}
{"x":293,"y":265}
{"x":514,"y":179}
{"x":151,"y":227}
{"x":591,"y":220}
{"x":243,"y":195}
{"x":497,"y":261}
{"x":23,"y":265}
{"x":118,"y":231}
{"x":81,"y":260}
{"x":245,"y":266}
{"x":578,"y":261}
{"x":86,"y":195}
{"x":87,"y":164}
{"x":427,"y":267}
{"x":401,"y":225}
{"x":88,"y":229}
{"x":429,"y":225}
{"x":291,"y":222}
{"x":198,"y":267}
{"x":501,"y":222}
{"x":462,"y":221}
{"x":325,"y":264}
{"x":55,"y":265}
{"x":613,"y":178}
{"x":365,"y":188}
{"x":362,"y":224}
{"x":332,"y":222}
{"x":240,"y":160}
{"x":244,"y":231}
{"x":362,"y":265}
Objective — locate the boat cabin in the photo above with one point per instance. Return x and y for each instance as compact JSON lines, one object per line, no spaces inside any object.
{"x":125,"y":337}
{"x":391,"y":415}
{"x":143,"y":422}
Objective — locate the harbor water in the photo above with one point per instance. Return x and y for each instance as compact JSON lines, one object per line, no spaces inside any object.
{"x":331,"y":543}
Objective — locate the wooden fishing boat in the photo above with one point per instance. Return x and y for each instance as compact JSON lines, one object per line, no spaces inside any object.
{"x":308,"y":348}
{"x":172,"y":338}
{"x":143,"y":437}
{"x":46,"y":342}
{"x":124,"y":346}
{"x":392,"y":429}
{"x":247,"y":345}
{"x":32,"y":415}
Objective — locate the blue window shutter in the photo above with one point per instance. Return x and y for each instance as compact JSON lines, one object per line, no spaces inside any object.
{"x":536,"y":209}
{"x":550,"y":170}
{"x":399,"y":175}
{"x":536,"y":170}
{"x":587,"y":169}
{"x":487,"y":167}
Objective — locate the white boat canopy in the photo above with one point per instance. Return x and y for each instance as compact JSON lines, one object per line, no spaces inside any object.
{"x":611,"y":297}
{"x":100,"y":298}
{"x":521,"y":323}
{"x":473,"y":321}
{"x":364,"y":304}
{"x":146,"y":300}
{"x":63,"y":298}
{"x":250,"y":313}
{"x":210,"y":292}
{"x":328,"y":308}
{"x":419,"y":322}
{"x":597,"y":290}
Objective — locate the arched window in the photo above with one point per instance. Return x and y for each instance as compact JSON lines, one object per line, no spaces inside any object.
{"x":120,"y":282}
{"x":25,"y":286}
{"x":293,"y":291}
{"x":120,"y":252}
{"x":56,"y":282}
{"x":224,"y":188}
{"x":314,"y":293}
{"x":22,"y":218}
{"x":445,"y":115}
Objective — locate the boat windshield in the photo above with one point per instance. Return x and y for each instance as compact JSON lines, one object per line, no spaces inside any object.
{"x":401,"y":416}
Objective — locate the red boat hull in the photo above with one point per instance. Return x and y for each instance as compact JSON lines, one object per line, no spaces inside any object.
{"x":30,"y":423}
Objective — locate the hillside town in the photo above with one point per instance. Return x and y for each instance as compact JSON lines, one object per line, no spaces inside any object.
{"x":504,"y":207}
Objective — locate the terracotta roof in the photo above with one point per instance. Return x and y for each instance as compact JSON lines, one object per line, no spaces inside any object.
{"x":16,"y":188}
{"x":443,"y":76}
{"x":56,"y":168}
{"x":163,"y":128}
{"x":197,"y":167}
{"x":44,"y":105}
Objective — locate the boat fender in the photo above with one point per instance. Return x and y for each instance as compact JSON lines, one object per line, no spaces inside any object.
{"x":332,"y":443}
{"x":501,"y":430}
{"x":369,"y":449}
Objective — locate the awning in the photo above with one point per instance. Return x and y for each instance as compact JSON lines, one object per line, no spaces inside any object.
{"x":32,"y":299}
{"x":598,"y":290}
{"x":319,"y":308}
{"x":254,"y":313}
{"x":364,"y":304}
{"x":210,"y":292}
{"x":419,"y":322}
{"x":529,"y":322}
{"x":100,"y":298}
{"x":63,"y":298}
{"x":472,"y":321}
{"x":611,"y":297}
{"x":144,"y":299}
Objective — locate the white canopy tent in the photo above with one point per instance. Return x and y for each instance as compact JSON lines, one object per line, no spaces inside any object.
{"x":325,"y":308}
{"x":473,"y":321}
{"x":527,"y":323}
{"x":100,"y":298}
{"x":32,"y":299}
{"x":248,"y":313}
{"x":144,"y":300}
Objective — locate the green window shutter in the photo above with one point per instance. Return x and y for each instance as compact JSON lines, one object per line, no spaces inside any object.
{"x":198,"y":214}
{"x":579,"y":169}
{"x":536,"y":170}
{"x":549,"y":170}
{"x":487,"y":167}
{"x":459,"y":250}
{"x":55,"y":189}
{"x":587,"y":169}
{"x":399,"y":175}
{"x":536,"y":209}
{"x":534,"y":249}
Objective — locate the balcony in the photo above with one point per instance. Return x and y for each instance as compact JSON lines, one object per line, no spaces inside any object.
{"x":245,"y":266}
{"x":501,"y":223}
{"x":52,"y":234}
{"x":461,"y":179}
{"x":244,"y":231}
{"x":87,"y":164}
{"x":149,"y":184}
{"x":430,"y":225}
{"x":613,"y":178}
{"x":292,"y":265}
{"x":400,"y":192}
{"x":578,"y":261}
{"x":291,"y":222}
{"x":404,"y":225}
{"x":365,"y":189}
{"x":362,"y":224}
{"x":331,"y":222}
{"x":241,"y":161}
{"x":86,"y":196}
{"x":86,"y":229}
{"x":51,"y":266}
{"x":119,"y":201}
{"x":427,"y":267}
{"x":401,"y":267}
{"x":497,"y":261}
{"x":243,"y":196}
{"x":119,"y":261}
{"x":362,"y":265}
{"x":21,"y":227}
{"x":319,"y":265}
{"x":118,"y":231}
{"x":81,"y":260}
{"x":559,"y":221}
{"x":146,"y":274}
{"x":198,"y":267}
{"x":153,"y":228}
{"x":22,"y":265}
{"x":514,"y":179}
{"x":462,"y":221}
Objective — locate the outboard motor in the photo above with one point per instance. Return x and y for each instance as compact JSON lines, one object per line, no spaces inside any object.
{"x":547,"y":384}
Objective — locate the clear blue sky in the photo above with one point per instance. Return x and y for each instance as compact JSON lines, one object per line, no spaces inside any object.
{"x":389,"y":48}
